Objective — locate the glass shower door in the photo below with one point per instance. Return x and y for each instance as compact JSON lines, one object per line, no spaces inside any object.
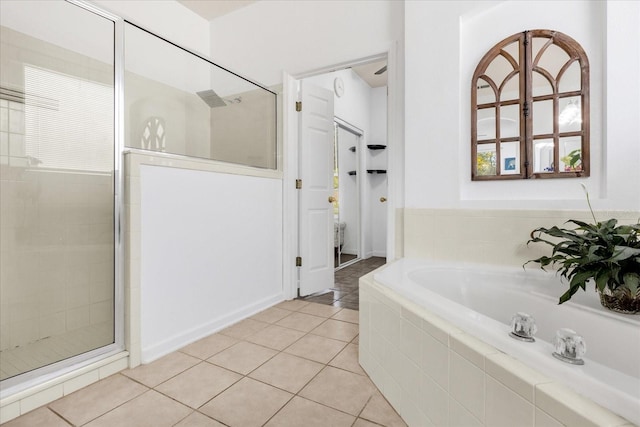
{"x":56,"y":185}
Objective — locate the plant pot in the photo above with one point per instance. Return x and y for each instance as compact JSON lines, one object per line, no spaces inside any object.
{"x":621,"y":300}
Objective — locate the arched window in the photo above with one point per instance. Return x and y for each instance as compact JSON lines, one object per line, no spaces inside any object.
{"x":153,"y":135}
{"x":530,"y":109}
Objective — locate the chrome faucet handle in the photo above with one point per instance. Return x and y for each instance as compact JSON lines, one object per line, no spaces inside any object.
{"x":523,"y":327}
{"x":569,"y":346}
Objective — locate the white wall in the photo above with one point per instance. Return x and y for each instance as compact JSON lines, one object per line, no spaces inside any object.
{"x":304,"y":37}
{"x":33,"y":17}
{"x":269,"y":37}
{"x":353,"y":105}
{"x":585,"y":26}
{"x":168,"y":19}
{"x":378,"y":159}
{"x":622,"y":104}
{"x":437,"y":102}
{"x":199,"y":232}
{"x":448,"y":216}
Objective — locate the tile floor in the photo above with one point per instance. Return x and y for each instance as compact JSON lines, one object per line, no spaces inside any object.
{"x":294,"y":364}
{"x":345,"y":290}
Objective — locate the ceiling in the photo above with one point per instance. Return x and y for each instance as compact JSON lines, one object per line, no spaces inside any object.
{"x":212,"y":9}
{"x":368,"y":73}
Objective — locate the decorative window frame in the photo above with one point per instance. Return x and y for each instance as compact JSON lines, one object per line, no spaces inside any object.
{"x":525,"y":67}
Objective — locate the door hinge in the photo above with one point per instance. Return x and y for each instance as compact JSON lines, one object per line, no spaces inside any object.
{"x":298,"y":106}
{"x":298,"y":261}
{"x":298,"y":184}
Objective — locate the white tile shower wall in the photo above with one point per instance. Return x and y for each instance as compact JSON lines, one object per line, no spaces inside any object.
{"x":486,"y":236}
{"x":56,"y":232}
{"x":436,"y":375}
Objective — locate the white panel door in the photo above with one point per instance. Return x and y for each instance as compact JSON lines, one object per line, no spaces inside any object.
{"x":316,"y":172}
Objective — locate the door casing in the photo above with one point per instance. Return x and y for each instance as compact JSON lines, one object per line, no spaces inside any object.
{"x":395,"y":183}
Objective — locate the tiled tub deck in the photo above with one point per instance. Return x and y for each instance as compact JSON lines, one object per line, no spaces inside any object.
{"x":436,"y":375}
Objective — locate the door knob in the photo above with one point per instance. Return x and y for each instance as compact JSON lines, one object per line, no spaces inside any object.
{"x":383,"y":199}
{"x":332,"y":199}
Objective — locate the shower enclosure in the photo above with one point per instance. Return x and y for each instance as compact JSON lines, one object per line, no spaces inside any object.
{"x":58,"y":168}
{"x":180,"y":103}
{"x":78,"y":87}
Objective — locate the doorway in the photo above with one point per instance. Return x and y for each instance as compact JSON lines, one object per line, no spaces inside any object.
{"x":359,"y":167}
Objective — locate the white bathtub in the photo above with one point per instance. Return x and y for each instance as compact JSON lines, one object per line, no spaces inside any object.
{"x":479,"y":301}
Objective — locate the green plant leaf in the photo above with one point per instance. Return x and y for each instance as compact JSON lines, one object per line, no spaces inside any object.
{"x":623,"y":252}
{"x":583,"y":225}
{"x":602,"y":278}
{"x":632,"y":281}
{"x":580,"y":278}
{"x":567,"y":295}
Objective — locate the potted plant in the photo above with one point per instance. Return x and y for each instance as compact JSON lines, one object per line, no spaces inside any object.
{"x":604,"y":253}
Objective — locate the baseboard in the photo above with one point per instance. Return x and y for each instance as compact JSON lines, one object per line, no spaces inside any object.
{"x":156,"y":351}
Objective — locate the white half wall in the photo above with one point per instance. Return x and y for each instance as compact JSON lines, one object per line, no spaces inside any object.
{"x":211,"y":253}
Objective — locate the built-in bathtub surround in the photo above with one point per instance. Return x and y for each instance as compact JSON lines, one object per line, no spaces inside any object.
{"x":487,"y":236}
{"x":434,"y":372}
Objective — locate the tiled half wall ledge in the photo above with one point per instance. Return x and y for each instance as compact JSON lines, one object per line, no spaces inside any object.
{"x":436,"y":375}
{"x":490,"y":236}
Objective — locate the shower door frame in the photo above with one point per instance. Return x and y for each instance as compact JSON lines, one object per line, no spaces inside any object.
{"x":28,"y":380}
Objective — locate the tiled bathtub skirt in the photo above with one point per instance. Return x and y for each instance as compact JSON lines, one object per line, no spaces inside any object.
{"x":435,"y":374}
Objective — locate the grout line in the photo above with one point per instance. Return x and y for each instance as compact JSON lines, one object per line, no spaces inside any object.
{"x":117,"y":406}
{"x":325,"y":366}
{"x":59,"y":415}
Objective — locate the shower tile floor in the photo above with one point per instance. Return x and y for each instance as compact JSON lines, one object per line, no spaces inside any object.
{"x":25,"y":358}
{"x":294,"y":364}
